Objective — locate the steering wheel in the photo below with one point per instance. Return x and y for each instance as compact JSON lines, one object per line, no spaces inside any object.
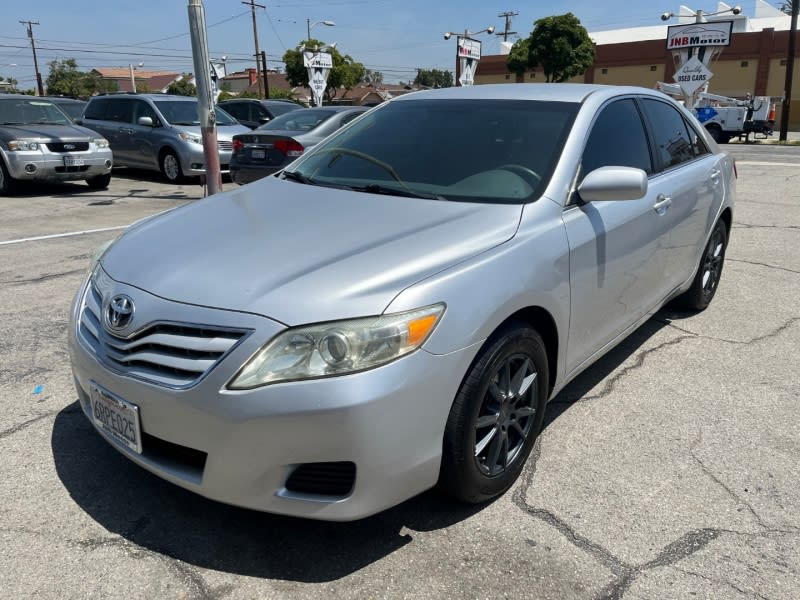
{"x":532,"y":178}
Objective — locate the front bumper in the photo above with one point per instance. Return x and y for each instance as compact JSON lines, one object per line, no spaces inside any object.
{"x":44,"y":165}
{"x":388,"y":422}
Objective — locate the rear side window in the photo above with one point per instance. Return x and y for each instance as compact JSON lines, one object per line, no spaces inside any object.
{"x":96,"y":109}
{"x":236,"y":109}
{"x":617,"y":139}
{"x":672,"y":145}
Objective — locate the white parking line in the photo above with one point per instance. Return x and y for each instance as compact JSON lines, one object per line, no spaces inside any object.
{"x":766,"y":164}
{"x":61,"y":235}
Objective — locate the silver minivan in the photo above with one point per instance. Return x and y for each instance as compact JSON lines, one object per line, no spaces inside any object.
{"x":158,"y":132}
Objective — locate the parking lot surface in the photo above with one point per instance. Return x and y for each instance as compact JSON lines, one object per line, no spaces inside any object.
{"x":667,"y":470}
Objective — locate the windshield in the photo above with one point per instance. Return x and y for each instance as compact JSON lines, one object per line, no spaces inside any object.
{"x":298,"y":120}
{"x":31,"y":112}
{"x":178,"y":112}
{"x":282,"y":108}
{"x":501,"y":151}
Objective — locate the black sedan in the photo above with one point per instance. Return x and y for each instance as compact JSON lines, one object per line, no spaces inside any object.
{"x":271,"y":147}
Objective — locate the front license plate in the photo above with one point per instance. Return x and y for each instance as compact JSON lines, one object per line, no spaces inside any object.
{"x":258,"y":153}
{"x":117,"y":417}
{"x":69,"y":161}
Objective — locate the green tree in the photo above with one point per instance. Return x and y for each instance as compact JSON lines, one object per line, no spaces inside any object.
{"x":182,"y":87}
{"x":517,"y":60}
{"x":346,"y":72}
{"x":562,"y":46}
{"x":434,"y":78}
{"x":373,"y":77}
{"x":559,"y":44}
{"x":66,"y":80}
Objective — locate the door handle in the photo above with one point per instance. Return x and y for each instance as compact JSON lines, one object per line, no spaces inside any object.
{"x":125,"y":130}
{"x":662,"y":204}
{"x":715,"y":175}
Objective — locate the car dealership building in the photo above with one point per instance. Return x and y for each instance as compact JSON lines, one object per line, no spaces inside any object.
{"x":754,"y":63}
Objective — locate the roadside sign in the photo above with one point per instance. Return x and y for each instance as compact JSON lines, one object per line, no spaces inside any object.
{"x":713,"y":33}
{"x":692,"y":75}
{"x":318,"y":64}
{"x":468,"y":52}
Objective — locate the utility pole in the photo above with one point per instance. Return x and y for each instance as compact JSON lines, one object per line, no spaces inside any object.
{"x":266,"y":80}
{"x":30,"y":25}
{"x":252,"y":4}
{"x":205,"y":103}
{"x":787,"y":93}
{"x":507,"y":29}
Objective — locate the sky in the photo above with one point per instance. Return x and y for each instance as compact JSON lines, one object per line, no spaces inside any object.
{"x":395,"y":37}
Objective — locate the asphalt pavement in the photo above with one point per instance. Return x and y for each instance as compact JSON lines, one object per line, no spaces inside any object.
{"x":667,"y":470}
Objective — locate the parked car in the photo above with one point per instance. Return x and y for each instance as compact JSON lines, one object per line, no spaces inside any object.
{"x":394,"y":310}
{"x":38,"y":142}
{"x":71,"y":106}
{"x":158,"y":132}
{"x":253,"y":113}
{"x":271,"y":147}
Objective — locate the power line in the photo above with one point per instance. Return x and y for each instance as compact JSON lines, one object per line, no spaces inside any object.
{"x":507,"y":29}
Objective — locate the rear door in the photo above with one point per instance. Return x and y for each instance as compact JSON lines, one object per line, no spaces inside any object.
{"x":615,"y":246}
{"x":690,"y":182}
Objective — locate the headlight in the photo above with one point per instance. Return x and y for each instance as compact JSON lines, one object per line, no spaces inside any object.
{"x":338,"y":347}
{"x":101,"y":142}
{"x":22,"y":145}
{"x":188,"y":137}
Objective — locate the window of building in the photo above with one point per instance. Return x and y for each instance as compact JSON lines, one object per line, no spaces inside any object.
{"x":783,"y":62}
{"x":653,"y":68}
{"x":604,"y":71}
{"x":508,"y":76}
{"x":533,"y":75}
{"x":744,"y":63}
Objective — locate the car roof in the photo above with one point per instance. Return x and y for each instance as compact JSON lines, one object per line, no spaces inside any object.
{"x":146,"y":96}
{"x":64,"y":99}
{"x":554,"y":92}
{"x":339,"y":108}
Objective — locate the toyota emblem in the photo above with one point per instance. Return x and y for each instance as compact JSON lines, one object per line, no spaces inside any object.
{"x":119,"y":312}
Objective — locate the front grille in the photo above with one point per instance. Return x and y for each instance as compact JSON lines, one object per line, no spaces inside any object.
{"x":174,"y":355}
{"x":224,"y":145}
{"x":323,"y":479}
{"x":73,"y":146}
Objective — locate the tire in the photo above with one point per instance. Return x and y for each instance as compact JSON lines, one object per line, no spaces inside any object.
{"x":490,"y":432}
{"x":8,"y":185}
{"x":717,"y":134}
{"x":101,"y":182}
{"x":171,"y":167}
{"x":709,"y":271}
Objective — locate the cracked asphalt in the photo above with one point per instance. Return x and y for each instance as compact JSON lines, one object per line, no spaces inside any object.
{"x":666,"y":470}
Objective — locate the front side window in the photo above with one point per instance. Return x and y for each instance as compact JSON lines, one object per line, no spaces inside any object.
{"x":672,"y":144}
{"x":496,"y":151}
{"x":617,"y":139}
{"x":236,"y":109}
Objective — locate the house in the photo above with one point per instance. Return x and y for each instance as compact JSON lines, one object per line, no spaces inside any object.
{"x":371,"y":95}
{"x":146,"y":81}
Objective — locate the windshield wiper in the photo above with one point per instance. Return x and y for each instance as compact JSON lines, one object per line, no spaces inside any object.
{"x":13,"y":123}
{"x":298,"y":177}
{"x":374,"y":188}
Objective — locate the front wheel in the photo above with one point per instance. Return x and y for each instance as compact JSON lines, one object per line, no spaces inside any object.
{"x":100,"y":182}
{"x":171,"y":167}
{"x":7,"y":183}
{"x":709,"y":272}
{"x":496,"y":416}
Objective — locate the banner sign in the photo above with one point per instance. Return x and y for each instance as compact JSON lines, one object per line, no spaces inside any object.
{"x":468,"y":54}
{"x":714,"y":33}
{"x":318,"y":65}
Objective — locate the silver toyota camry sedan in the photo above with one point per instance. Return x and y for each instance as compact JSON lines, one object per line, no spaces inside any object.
{"x":393,"y":311}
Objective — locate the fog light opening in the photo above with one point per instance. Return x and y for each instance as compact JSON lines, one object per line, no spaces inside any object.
{"x":108,"y":164}
{"x":30,"y":168}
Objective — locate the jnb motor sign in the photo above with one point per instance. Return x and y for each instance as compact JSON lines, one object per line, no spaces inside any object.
{"x":695,"y":45}
{"x":717,"y":33}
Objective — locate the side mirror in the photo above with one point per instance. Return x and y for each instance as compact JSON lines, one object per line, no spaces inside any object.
{"x":263,"y":120}
{"x":613,"y":183}
{"x":146,"y":121}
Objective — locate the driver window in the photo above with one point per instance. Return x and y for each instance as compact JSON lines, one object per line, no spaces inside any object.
{"x":617,"y":140}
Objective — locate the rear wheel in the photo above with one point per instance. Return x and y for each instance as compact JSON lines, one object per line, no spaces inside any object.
{"x":7,"y":183}
{"x":171,"y":167}
{"x":717,"y":134}
{"x":705,"y":283}
{"x":100,"y":182}
{"x":496,"y":416}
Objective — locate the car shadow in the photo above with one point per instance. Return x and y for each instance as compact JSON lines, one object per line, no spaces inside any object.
{"x":154,"y":514}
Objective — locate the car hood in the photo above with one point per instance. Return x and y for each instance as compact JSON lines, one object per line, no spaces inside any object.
{"x":300,"y":254}
{"x":67,"y":133}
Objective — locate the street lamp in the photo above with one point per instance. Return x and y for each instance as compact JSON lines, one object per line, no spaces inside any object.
{"x":468,"y":33}
{"x":700,"y":16}
{"x":133,"y":80}
{"x":310,"y":26}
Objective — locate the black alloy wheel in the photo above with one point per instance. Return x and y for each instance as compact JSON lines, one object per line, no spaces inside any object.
{"x":709,"y":272}
{"x":496,"y":416}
